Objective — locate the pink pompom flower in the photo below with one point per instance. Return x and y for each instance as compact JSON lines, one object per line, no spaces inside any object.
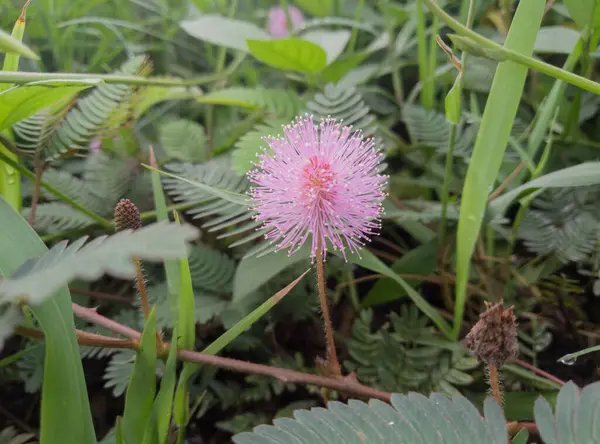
{"x":277,"y":21}
{"x":319,"y":180}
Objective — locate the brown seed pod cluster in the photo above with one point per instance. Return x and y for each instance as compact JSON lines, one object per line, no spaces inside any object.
{"x":127,"y":216}
{"x":493,"y":339}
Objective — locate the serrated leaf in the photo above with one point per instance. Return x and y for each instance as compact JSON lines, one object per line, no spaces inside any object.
{"x":183,"y":140}
{"x":279,"y":102}
{"x":380,"y":423}
{"x":252,"y":143}
{"x":223,"y":31}
{"x":20,"y":102}
{"x":291,"y":54}
{"x":40,"y":278}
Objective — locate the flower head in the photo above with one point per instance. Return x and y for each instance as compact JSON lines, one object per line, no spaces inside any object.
{"x":277,"y":21}
{"x":320,"y":180}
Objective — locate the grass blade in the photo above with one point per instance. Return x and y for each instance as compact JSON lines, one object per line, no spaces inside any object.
{"x":65,"y":404}
{"x":498,"y":117}
{"x":142,"y":385}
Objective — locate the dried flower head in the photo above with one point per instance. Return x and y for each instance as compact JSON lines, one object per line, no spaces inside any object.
{"x":277,"y":23}
{"x":320,"y":180}
{"x":127,"y":216}
{"x":494,"y":338}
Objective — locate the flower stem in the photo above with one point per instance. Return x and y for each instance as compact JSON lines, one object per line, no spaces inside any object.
{"x":495,"y":383}
{"x":332,"y":360}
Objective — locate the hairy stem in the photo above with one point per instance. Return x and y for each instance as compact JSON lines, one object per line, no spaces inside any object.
{"x":494,"y":381}
{"x":332,"y":360}
{"x":140,"y":284}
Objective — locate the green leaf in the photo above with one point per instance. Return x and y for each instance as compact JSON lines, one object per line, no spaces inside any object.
{"x":142,"y":386}
{"x":556,"y":40}
{"x":575,"y":418}
{"x":490,"y":145}
{"x":65,"y":404}
{"x":521,"y":437}
{"x":291,"y":54}
{"x":583,"y":12}
{"x":223,"y":31}
{"x":159,"y":425}
{"x":229,"y":196}
{"x":370,"y":261}
{"x":10,"y":44}
{"x":319,"y":8}
{"x":252,"y":273}
{"x":11,"y":60}
{"x":183,"y":139}
{"x":186,"y":318}
{"x":335,"y":71}
{"x":421,"y":260}
{"x":448,"y":421}
{"x":251,"y":144}
{"x":584,"y":174}
{"x":282,"y":103}
{"x":333,"y":42}
{"x":39,"y":279}
{"x":156,"y":94}
{"x":20,"y":102}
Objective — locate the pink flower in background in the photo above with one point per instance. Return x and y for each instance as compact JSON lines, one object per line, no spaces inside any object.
{"x":95,"y":145}
{"x":320,"y":180}
{"x":277,"y":21}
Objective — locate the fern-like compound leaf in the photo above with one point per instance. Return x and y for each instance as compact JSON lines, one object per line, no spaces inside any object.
{"x":52,"y":133}
{"x":183,"y":140}
{"x":40,"y":278}
{"x":411,"y":418}
{"x":575,"y":419}
{"x":563,"y":222}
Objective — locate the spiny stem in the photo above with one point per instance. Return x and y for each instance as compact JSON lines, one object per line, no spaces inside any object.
{"x":495,"y":383}
{"x":332,"y":360}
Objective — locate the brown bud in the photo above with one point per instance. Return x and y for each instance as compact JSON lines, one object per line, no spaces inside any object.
{"x":127,"y":216}
{"x":494,"y":338}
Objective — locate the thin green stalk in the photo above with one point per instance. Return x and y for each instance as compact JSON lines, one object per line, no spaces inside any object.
{"x":446,"y":186}
{"x":422,"y":58}
{"x":106,"y":224}
{"x":357,"y":17}
{"x":498,"y":52}
{"x":451,"y":142}
{"x":352,"y":293}
{"x":432,"y":63}
{"x":288,"y":18}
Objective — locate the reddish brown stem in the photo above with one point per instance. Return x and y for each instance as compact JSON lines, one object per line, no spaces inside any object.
{"x":540,"y":372}
{"x":91,"y":315}
{"x":332,"y":360}
{"x":101,"y":296}
{"x":494,"y":381}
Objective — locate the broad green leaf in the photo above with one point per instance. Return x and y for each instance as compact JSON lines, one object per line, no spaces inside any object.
{"x":20,"y":102}
{"x":421,"y":260}
{"x":291,"y":54}
{"x":583,"y":12}
{"x":10,"y":179}
{"x":9,"y":44}
{"x":370,"y":261}
{"x":342,"y":66}
{"x":142,"y":385}
{"x":223,"y":31}
{"x":158,"y":94}
{"x":318,"y":8}
{"x":556,"y":40}
{"x":65,"y":404}
{"x":333,"y":42}
{"x":39,"y":279}
{"x":252,"y":272}
{"x":491,"y":142}
{"x":240,"y":199}
{"x":581,"y":175}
